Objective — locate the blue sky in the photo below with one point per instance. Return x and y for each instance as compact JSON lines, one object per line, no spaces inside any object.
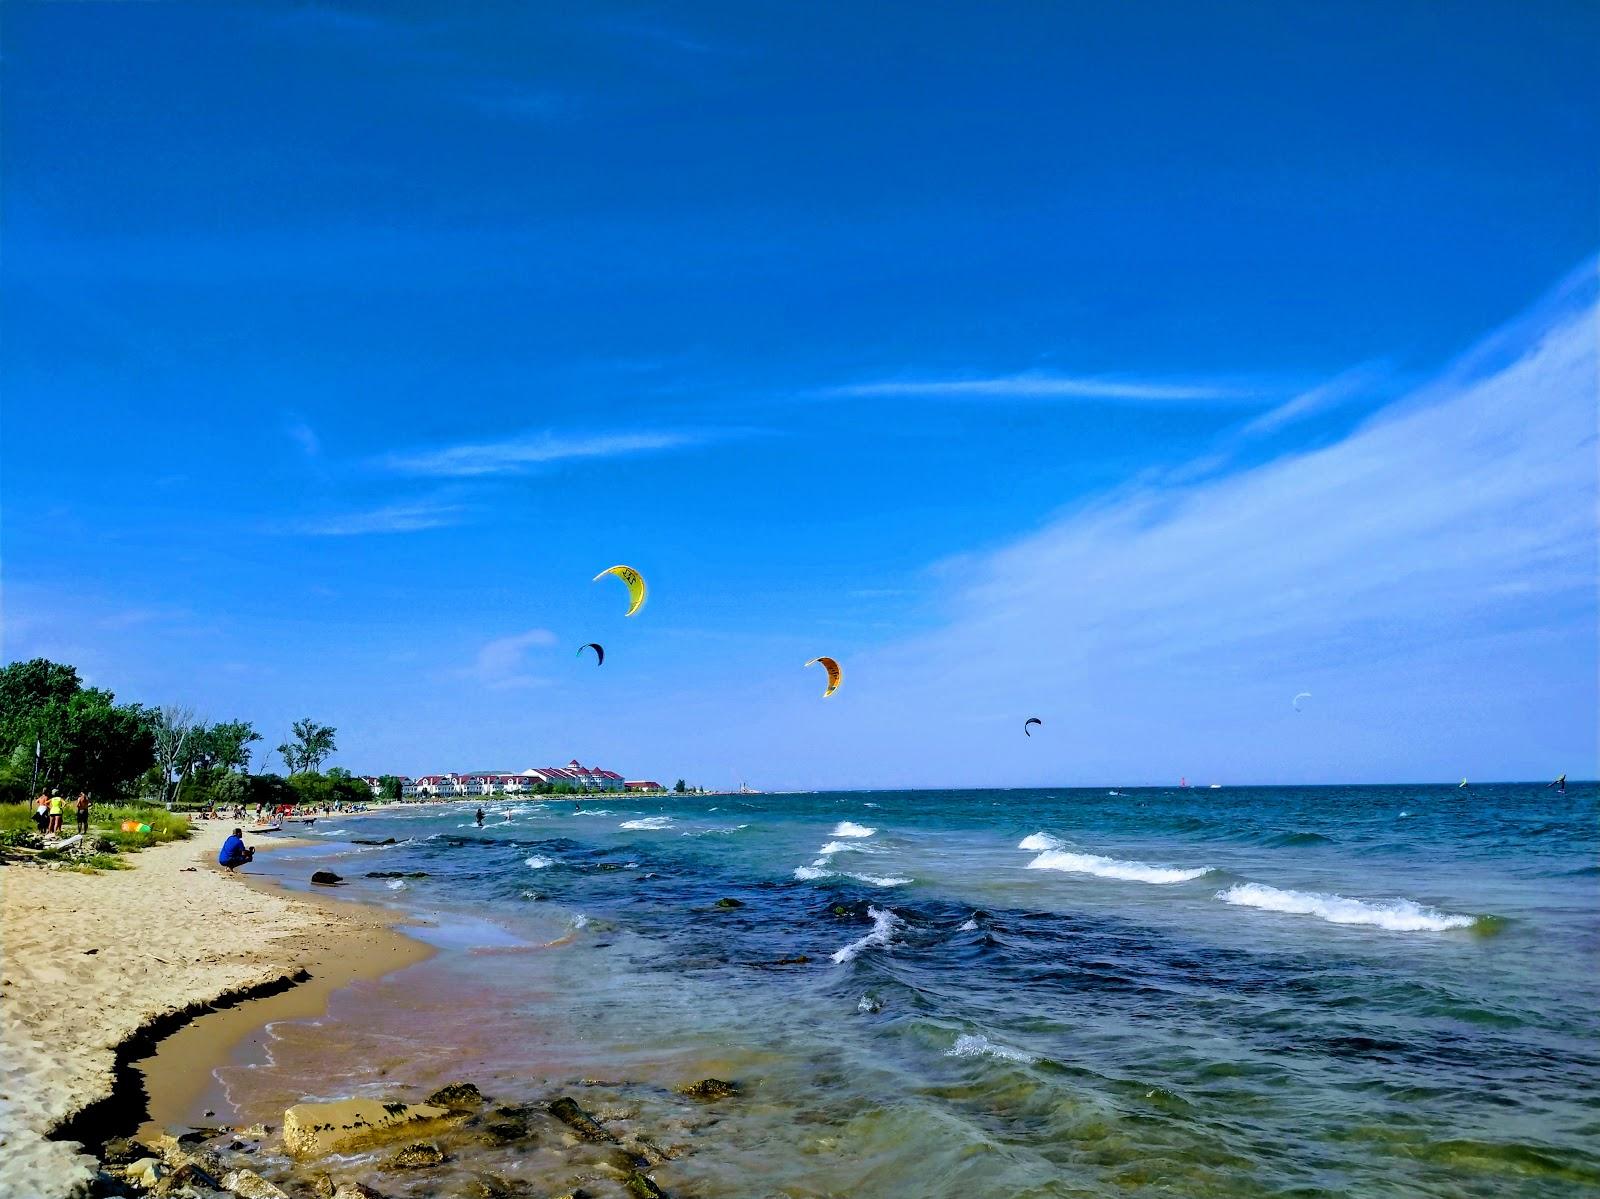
{"x":1137,"y":368}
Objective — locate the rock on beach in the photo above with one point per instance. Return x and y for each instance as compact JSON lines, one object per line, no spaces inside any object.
{"x":315,"y":1129}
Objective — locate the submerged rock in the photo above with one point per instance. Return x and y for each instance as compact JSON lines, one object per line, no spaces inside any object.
{"x":360,"y":841}
{"x":326,"y":877}
{"x":492,"y":1186}
{"x":397,"y":874}
{"x":417,"y":1157}
{"x":643,"y":1186}
{"x":356,"y":1190}
{"x":457,"y":1096}
{"x":574,"y":1117}
{"x":247,"y":1184}
{"x":708,"y":1088}
{"x":187,"y":1179}
{"x":123,"y":1151}
{"x":314,"y":1129}
{"x":196,"y":1136}
{"x":725,"y":902}
{"x":506,"y":1127}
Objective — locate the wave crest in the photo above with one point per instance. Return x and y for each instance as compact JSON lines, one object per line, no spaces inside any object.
{"x":884,"y":922}
{"x":1396,"y":915}
{"x":978,"y":1045}
{"x":1132,"y":872}
{"x":1038,"y":841}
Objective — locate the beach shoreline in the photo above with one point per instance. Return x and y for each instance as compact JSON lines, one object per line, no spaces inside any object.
{"x":123,"y":990}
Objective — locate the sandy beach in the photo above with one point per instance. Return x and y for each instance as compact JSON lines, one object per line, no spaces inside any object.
{"x":96,"y":966}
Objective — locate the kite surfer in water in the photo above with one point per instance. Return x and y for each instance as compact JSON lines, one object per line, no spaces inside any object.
{"x":480,"y":817}
{"x":1560,"y":785}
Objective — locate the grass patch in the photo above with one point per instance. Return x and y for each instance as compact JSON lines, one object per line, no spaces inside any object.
{"x":105,"y":820}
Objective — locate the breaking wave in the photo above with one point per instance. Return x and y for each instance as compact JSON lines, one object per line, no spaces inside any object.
{"x":1133,"y":872}
{"x":538,"y":862}
{"x":1038,"y":841}
{"x":884,"y":922}
{"x":978,"y":1045}
{"x":1396,"y":915}
{"x":648,"y":822}
{"x":880,"y":880}
{"x":849,"y":828}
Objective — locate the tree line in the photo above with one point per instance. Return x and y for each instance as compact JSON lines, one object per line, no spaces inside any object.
{"x":58,"y":735}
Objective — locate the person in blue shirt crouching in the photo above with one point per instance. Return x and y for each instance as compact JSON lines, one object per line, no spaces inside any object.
{"x":234,"y":852}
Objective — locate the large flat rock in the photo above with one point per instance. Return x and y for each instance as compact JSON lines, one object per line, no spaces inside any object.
{"x":313,"y":1129}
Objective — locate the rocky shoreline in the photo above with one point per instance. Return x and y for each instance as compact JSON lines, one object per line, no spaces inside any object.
{"x":611,"y":1144}
{"x":100,"y":968}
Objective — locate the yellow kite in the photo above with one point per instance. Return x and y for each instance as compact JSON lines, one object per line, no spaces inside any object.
{"x":633,"y":579}
{"x":835,"y":675}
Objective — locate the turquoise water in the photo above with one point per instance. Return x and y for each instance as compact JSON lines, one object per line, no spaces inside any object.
{"x":1262,"y":991}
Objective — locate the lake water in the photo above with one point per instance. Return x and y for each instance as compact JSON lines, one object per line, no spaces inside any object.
{"x":1374,"y":990}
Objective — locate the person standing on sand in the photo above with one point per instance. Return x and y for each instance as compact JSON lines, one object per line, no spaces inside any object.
{"x":41,"y":813}
{"x":83,"y":813}
{"x":55,"y":814}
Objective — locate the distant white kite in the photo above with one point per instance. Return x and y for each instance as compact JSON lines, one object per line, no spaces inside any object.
{"x":1298,"y":698}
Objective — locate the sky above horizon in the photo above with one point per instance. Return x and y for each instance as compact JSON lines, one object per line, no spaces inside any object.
{"x":1137,"y":368}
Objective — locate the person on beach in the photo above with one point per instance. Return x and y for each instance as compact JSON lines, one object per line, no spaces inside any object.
{"x":234,"y":851}
{"x":55,"y":815}
{"x":82,"y":808}
{"x":41,"y":813}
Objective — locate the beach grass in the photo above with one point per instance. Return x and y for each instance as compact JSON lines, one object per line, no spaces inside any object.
{"x":106,"y":820}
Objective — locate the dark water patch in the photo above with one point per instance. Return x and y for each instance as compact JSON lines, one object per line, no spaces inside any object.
{"x":1296,"y":840}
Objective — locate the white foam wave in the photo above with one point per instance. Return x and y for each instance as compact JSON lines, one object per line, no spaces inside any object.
{"x":648,"y":822}
{"x":884,"y":922}
{"x":807,"y":873}
{"x":1396,"y":915}
{"x":396,"y":884}
{"x":538,"y":862}
{"x":1132,"y":872}
{"x":580,"y":921}
{"x":833,"y":847}
{"x":849,"y":828}
{"x":978,"y":1045}
{"x":880,"y":880}
{"x":970,"y":926}
{"x":713,"y":832}
{"x":1038,"y":841}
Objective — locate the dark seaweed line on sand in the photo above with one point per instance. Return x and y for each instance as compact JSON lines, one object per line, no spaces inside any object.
{"x":127,"y":1106}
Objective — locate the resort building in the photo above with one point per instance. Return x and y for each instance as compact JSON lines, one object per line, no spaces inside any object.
{"x":644,"y":785}
{"x":494,"y":782}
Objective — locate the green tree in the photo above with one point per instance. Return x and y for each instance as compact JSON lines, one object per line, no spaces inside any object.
{"x":63,"y":735}
{"x":680,"y":786}
{"x":226,"y":745}
{"x":389,"y":786}
{"x":309,"y":745}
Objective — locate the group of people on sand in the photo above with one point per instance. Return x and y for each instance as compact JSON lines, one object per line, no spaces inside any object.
{"x":49,"y":810}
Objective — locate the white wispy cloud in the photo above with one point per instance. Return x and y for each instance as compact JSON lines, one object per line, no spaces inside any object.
{"x":409,"y":516}
{"x":1042,"y":386}
{"x":518,"y":455}
{"x":1343,"y":388}
{"x":304,"y":436}
{"x":1430,"y":577}
{"x":502,"y":663}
